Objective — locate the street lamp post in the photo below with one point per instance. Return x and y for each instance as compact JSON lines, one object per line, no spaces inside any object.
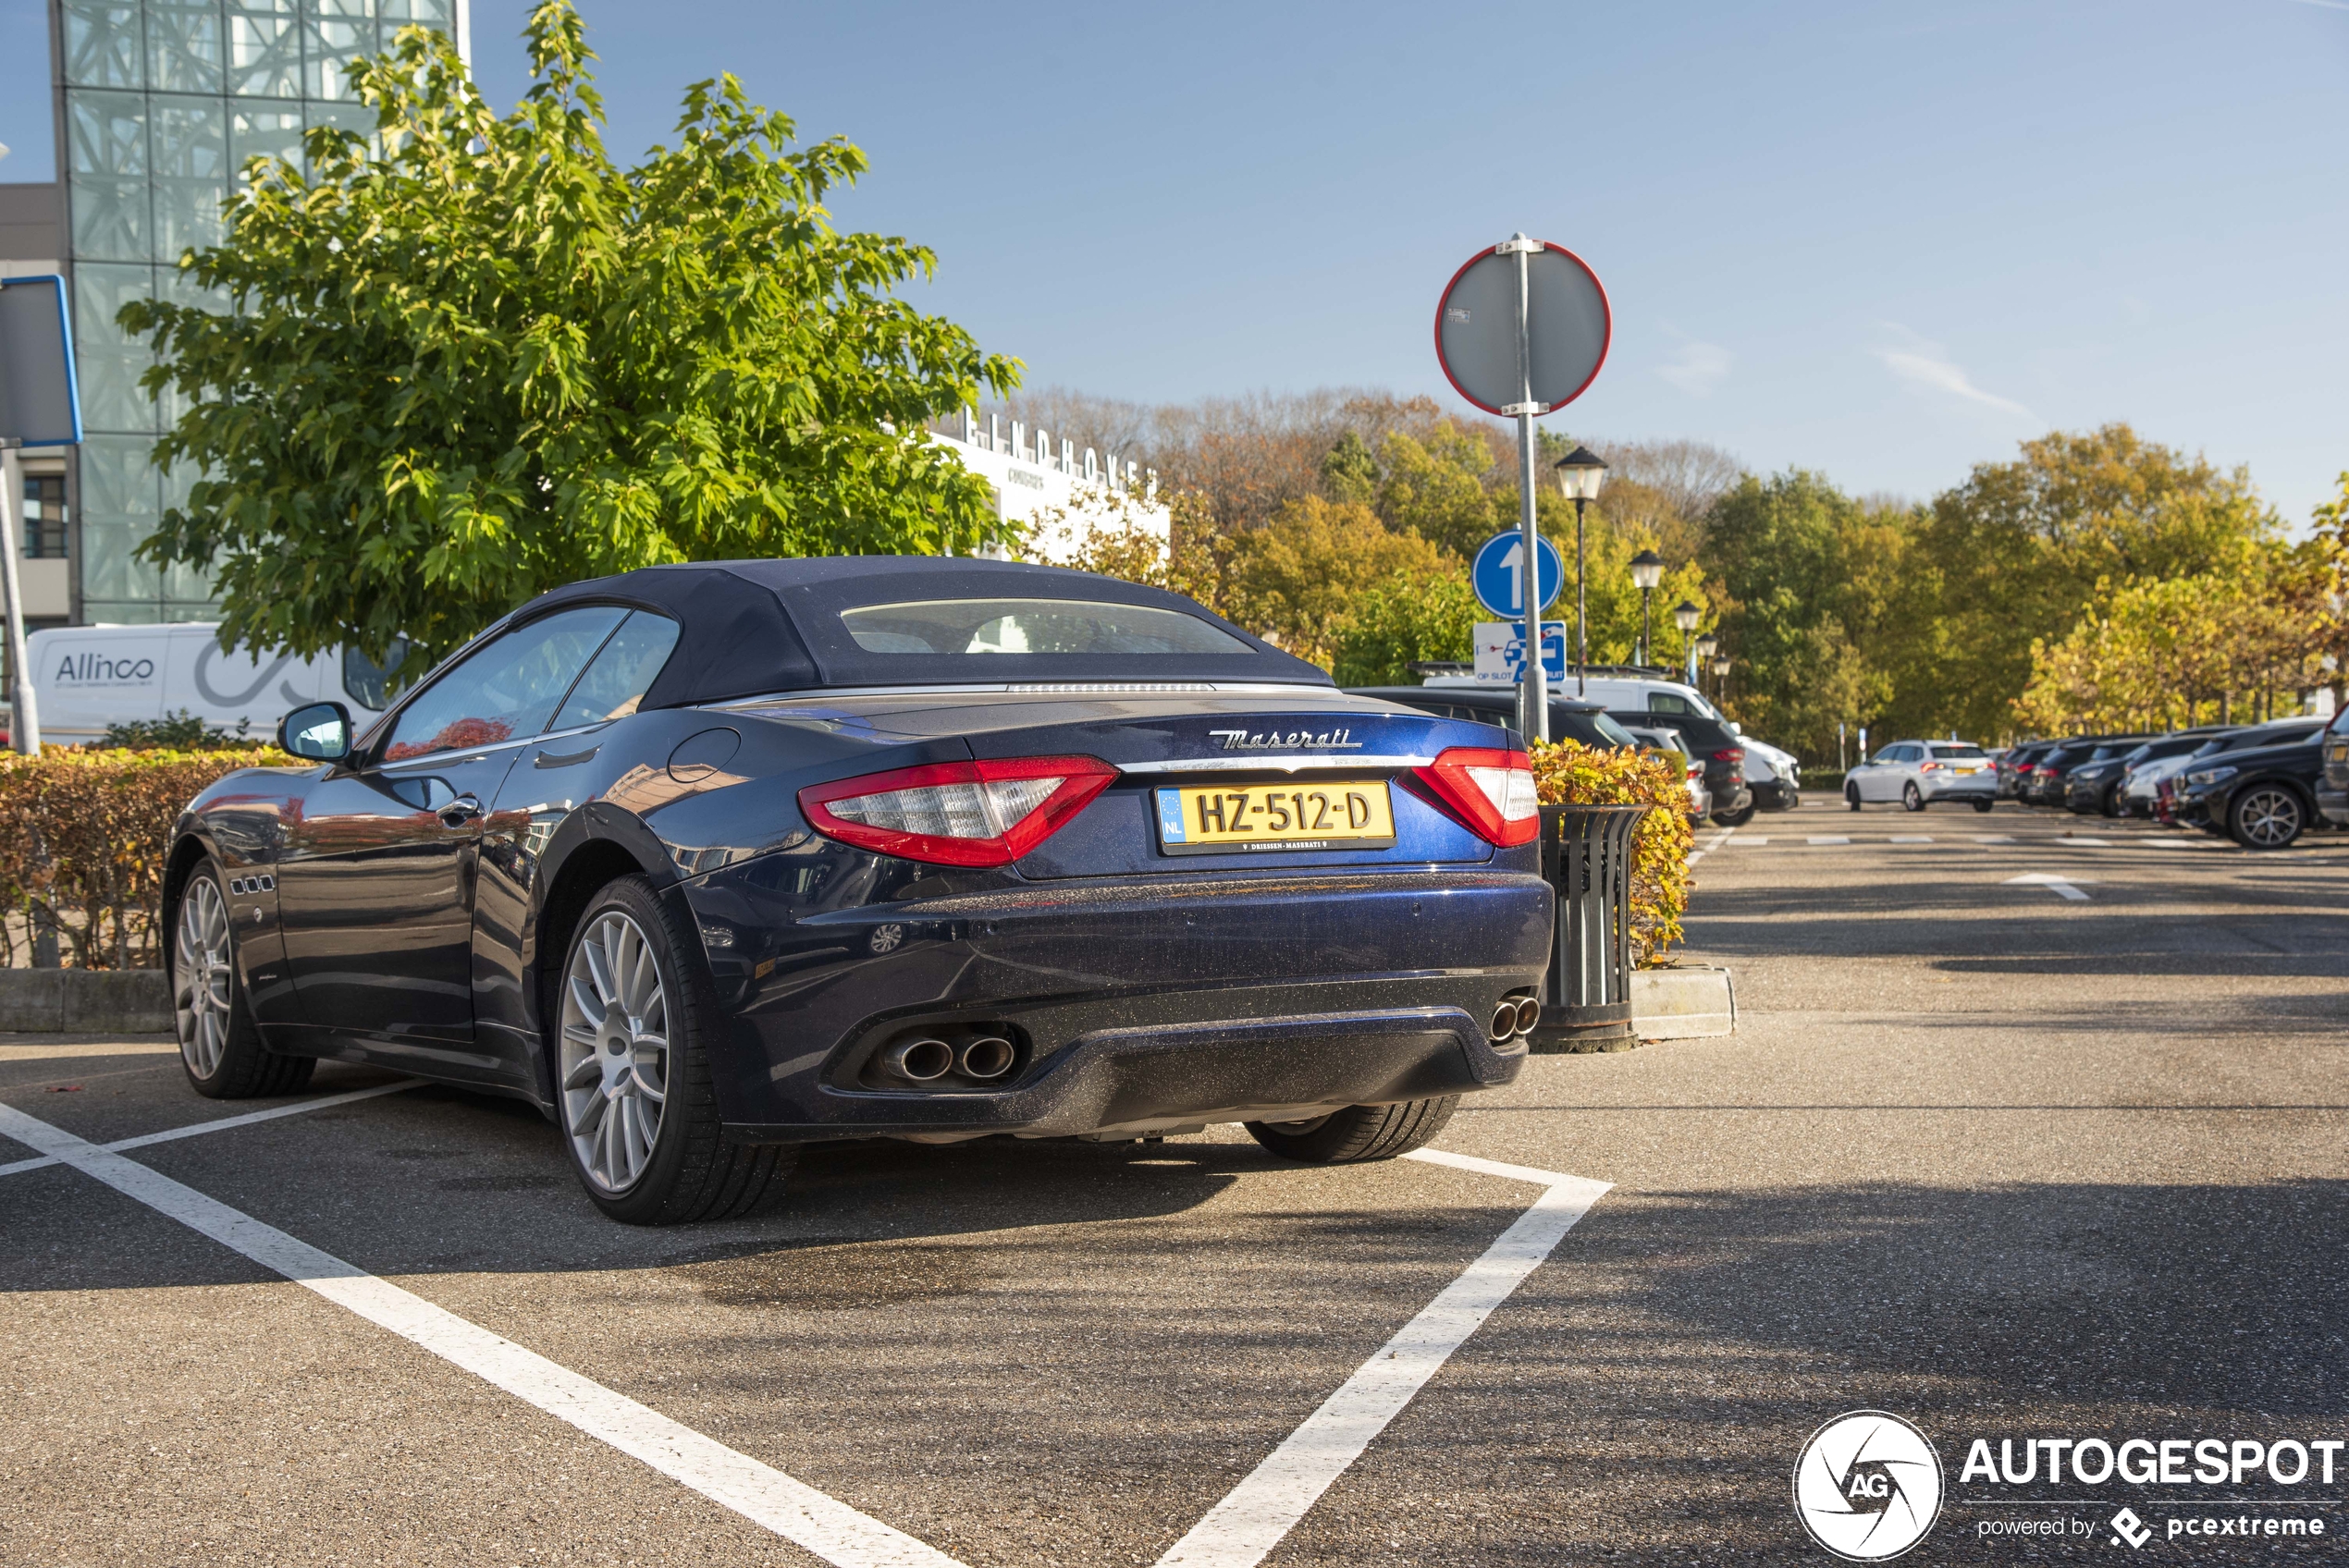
{"x":1580,"y":472}
{"x":1647,"y":570}
{"x":1685,"y":616}
{"x":1700,"y":656}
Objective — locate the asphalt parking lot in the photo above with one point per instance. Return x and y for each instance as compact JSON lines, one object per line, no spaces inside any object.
{"x":2033,"y":1124}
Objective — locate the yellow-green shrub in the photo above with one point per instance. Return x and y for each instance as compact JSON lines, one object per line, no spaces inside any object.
{"x":82,"y":839}
{"x":1572,"y":774}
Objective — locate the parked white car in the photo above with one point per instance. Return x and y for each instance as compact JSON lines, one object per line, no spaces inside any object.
{"x":87,"y":677}
{"x":1917,"y":773}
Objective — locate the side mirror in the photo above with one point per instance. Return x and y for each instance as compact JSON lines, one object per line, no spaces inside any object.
{"x":320,"y":732}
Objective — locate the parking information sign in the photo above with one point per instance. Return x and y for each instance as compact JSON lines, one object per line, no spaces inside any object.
{"x":1498,"y":574}
{"x":1500,"y":650}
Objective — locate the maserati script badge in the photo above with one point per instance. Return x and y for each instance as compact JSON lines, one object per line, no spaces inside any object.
{"x":1274,"y":740}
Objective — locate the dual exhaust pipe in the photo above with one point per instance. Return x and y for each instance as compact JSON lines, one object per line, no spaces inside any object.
{"x":927,"y":1060}
{"x":1516,"y":1015}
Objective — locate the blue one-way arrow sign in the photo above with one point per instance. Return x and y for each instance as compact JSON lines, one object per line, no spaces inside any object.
{"x":1498,"y":575}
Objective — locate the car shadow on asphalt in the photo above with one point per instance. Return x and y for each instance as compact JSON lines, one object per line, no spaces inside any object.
{"x":438,"y":1179}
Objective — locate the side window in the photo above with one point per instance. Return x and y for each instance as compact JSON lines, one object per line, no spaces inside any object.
{"x":505,"y":690}
{"x":366,"y":681}
{"x":1667,"y":702}
{"x":617,"y":681}
{"x":1886,"y":757}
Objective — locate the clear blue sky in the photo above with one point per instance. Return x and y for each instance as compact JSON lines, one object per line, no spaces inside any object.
{"x":1882,"y":239}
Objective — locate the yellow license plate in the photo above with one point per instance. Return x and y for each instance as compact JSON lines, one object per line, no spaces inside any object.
{"x":1328,"y":815}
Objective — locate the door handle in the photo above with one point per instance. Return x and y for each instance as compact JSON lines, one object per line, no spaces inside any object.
{"x":457,"y":813}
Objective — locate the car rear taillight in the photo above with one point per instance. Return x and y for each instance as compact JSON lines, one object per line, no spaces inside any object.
{"x":1490,"y":792}
{"x":985,"y":813}
{"x":1729,"y":754}
{"x":1930,"y":767}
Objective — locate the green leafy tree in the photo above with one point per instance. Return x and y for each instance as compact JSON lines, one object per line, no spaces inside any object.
{"x":2013,"y":554}
{"x":1405,"y":618}
{"x":1435,"y":488}
{"x":1350,"y":472}
{"x":480,"y":359}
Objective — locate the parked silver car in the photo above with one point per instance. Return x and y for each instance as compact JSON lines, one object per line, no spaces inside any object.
{"x":1917,"y":773}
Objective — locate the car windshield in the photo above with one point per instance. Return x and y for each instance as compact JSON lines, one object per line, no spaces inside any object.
{"x":1032,"y":625}
{"x":1612,"y":730}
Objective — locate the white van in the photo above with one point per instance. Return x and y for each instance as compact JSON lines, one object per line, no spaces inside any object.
{"x":89,"y":677}
{"x":1618,"y":694}
{"x":1625,"y":695}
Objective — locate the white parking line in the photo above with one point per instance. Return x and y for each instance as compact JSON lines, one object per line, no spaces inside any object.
{"x":2060,"y":885}
{"x":1910,"y":838}
{"x":1240,"y":1531}
{"x":1756,"y":841}
{"x":1718,"y":840}
{"x":2085,"y":843}
{"x":1826,"y":838}
{"x":248,"y":1119}
{"x":1237,"y":1533}
{"x":795,"y":1511}
{"x":1994,"y":838}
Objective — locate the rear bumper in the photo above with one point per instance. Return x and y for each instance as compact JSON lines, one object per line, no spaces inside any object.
{"x":2334,"y":805}
{"x":1170,"y":1000}
{"x":1137,"y":1078}
{"x":1980,"y":786}
{"x":1774,"y":795}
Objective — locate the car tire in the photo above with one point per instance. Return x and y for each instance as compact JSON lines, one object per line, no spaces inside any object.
{"x":220,"y":1046}
{"x":1359,"y":1132}
{"x":1983,"y":806}
{"x":1851,"y":796}
{"x":1735,"y":818}
{"x":1793,"y":800}
{"x":639,"y":1121}
{"x":1912,"y":798}
{"x":2109,"y":803}
{"x":2266,"y":816}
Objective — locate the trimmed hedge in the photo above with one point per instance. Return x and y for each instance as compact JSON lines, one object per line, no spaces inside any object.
{"x":1569,"y":773}
{"x":82,"y":839}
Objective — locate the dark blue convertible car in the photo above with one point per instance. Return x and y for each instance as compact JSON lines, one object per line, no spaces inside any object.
{"x":710,"y":862}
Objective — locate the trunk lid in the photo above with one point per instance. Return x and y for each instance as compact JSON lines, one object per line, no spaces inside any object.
{"x":1166,"y":738}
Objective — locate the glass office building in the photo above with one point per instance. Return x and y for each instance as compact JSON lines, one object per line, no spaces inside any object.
{"x":159,"y":104}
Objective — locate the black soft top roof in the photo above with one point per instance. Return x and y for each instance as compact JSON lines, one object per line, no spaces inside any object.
{"x":755,"y":627}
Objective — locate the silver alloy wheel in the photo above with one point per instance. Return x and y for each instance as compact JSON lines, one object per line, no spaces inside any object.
{"x":2270,"y":818}
{"x":615,"y":1051}
{"x":204,"y":972}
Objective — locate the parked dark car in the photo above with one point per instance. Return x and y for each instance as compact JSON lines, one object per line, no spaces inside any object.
{"x":2169,"y":792}
{"x":2053,"y":770}
{"x":2332,"y":790}
{"x":2093,"y":788}
{"x":1569,"y":719}
{"x":1717,"y":747}
{"x":710,"y":862}
{"x":2014,"y":764}
{"x":2262,"y":797}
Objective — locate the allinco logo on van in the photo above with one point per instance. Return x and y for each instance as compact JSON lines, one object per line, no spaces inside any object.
{"x":101,"y":669}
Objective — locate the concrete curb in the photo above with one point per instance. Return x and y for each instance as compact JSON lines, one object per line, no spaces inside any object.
{"x":86,"y":1001}
{"x":1687,"y":1002}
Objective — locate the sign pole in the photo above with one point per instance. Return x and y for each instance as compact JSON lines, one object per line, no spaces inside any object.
{"x":24,"y":723}
{"x":1535,"y":689}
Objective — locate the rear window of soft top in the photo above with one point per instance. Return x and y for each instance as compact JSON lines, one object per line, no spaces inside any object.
{"x":1032,"y":625}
